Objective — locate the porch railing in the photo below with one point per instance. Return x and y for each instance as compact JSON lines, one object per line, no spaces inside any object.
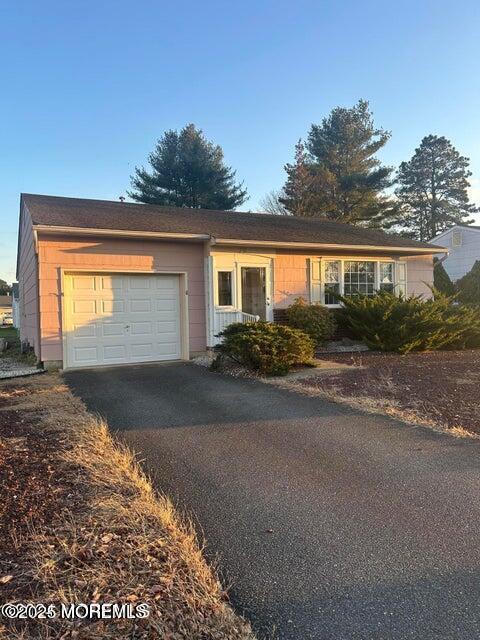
{"x":223,"y":318}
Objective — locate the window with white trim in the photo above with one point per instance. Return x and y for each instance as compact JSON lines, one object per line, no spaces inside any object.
{"x":387,"y":276}
{"x":224,"y":288}
{"x":351,"y":278}
{"x":331,"y":281}
{"x":358,"y":278}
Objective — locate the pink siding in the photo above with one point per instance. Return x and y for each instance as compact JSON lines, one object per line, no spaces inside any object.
{"x":63,"y":252}
{"x":28,"y":284}
{"x":291,"y":277}
{"x":420,"y":275}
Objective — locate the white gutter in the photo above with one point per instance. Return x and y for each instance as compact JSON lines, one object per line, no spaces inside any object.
{"x":234,"y":241}
{"x":120,"y":233}
{"x":325,"y":246}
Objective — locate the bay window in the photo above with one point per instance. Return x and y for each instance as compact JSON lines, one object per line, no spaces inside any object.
{"x":351,"y":278}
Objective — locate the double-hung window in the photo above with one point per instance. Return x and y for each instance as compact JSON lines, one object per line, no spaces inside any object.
{"x":359,"y":278}
{"x":387,"y":276}
{"x":352,"y":278}
{"x":331,"y":281}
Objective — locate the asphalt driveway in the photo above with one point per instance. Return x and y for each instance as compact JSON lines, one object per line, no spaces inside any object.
{"x":326,"y":522}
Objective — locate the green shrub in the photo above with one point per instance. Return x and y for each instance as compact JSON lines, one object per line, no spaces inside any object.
{"x":441,"y":279}
{"x":313,"y":319}
{"x":468,"y":287}
{"x":265,"y":347}
{"x":386,"y":322}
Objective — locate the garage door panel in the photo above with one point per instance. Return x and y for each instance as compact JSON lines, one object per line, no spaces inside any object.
{"x":114,"y":352}
{"x":112,"y":283}
{"x":113,"y":306}
{"x":140,"y":282}
{"x":84,"y":330}
{"x":141,"y":305}
{"x":142,"y":350}
{"x":84,"y":306}
{"x":109,"y":329}
{"x":141,"y":328}
{"x":122,"y":318}
{"x":86,"y":354}
{"x":83,"y":283}
{"x":166,"y":326}
{"x":166,"y":351}
{"x":166,"y":304}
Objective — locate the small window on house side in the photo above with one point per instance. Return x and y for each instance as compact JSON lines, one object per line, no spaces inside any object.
{"x":332,"y":281}
{"x":387,"y":276}
{"x":224,"y":288}
{"x":456,"y":238}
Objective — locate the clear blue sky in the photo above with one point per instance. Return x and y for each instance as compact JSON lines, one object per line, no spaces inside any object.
{"x":87,"y":87}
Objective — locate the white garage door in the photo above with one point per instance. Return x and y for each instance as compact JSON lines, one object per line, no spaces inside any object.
{"x":121,"y":318}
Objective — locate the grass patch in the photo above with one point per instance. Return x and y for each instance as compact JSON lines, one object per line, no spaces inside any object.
{"x":14,"y":352}
{"x":8,"y":332}
{"x":90,"y":528}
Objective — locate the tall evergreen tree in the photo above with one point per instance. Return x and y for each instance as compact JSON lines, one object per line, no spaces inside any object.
{"x":432,"y":189}
{"x":336,"y":174}
{"x":187,"y":171}
{"x":5,"y":289}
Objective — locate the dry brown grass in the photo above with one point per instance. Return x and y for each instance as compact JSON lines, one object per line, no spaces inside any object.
{"x":112,"y":540}
{"x":385,"y":406}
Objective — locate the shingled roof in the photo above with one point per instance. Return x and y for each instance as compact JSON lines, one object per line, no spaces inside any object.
{"x":53,"y":211}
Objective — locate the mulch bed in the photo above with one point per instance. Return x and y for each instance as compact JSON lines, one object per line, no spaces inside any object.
{"x":31,"y":490}
{"x":442,"y":386}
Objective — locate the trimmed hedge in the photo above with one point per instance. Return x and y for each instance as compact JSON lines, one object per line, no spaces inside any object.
{"x":268,"y":348}
{"x":313,"y":319}
{"x":387,"y":322}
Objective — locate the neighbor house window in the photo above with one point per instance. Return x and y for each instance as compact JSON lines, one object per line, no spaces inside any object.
{"x":225,"y":288}
{"x":332,"y":281}
{"x":359,"y":278}
{"x":387,"y":276}
{"x":456,"y":238}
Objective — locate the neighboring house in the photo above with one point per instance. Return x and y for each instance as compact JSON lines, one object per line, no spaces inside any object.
{"x":105,"y":283}
{"x":463,"y":243}
{"x":5,"y":306}
{"x":15,"y":305}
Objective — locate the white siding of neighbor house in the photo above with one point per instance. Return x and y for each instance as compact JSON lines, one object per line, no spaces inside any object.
{"x":460,"y":259}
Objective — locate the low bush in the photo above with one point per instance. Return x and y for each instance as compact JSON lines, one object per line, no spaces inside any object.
{"x":313,"y":319}
{"x":268,"y":348}
{"x":387,"y":322}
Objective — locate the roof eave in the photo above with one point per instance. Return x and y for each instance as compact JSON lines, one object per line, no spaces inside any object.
{"x":331,"y":246}
{"x":201,"y":237}
{"x":85,"y":231}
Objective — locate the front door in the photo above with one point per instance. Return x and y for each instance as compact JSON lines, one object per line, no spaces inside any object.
{"x":254,"y":294}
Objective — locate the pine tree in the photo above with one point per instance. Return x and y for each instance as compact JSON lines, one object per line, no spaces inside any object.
{"x":305,"y":193}
{"x":336,"y":173}
{"x":433,"y":189}
{"x":468,"y":287}
{"x":187,"y":171}
{"x":441,"y":279}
